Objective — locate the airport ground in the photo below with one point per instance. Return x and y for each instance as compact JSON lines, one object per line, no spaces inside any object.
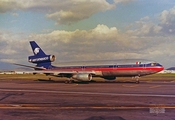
{"x":34,"y":97}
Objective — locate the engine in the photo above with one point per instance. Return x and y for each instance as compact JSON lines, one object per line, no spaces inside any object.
{"x":47,"y":58}
{"x":82,"y":77}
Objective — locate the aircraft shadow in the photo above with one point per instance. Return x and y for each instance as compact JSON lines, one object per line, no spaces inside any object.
{"x":61,"y":81}
{"x":85,"y":82}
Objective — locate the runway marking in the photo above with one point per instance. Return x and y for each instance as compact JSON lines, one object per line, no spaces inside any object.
{"x":90,"y":93}
{"x":46,"y":106}
{"x":149,"y":81}
{"x":130,"y":86}
{"x":156,"y":86}
{"x":73,"y":85}
{"x":172,"y":81}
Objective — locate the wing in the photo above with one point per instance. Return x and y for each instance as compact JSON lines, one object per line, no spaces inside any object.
{"x":66,"y":73}
{"x":61,"y":73}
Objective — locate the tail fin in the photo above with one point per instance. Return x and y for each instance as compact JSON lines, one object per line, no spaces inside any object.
{"x":40,"y":58}
{"x":37,"y":51}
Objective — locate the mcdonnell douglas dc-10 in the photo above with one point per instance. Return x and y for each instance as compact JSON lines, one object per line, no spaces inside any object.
{"x":86,"y":70}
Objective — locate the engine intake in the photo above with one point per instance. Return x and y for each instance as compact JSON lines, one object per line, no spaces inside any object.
{"x":82,"y":77}
{"x":47,"y":58}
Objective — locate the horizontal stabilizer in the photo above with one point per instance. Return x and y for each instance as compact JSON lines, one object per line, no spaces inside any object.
{"x":37,"y":68}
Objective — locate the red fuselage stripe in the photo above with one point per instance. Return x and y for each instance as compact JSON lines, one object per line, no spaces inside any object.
{"x":111,"y":69}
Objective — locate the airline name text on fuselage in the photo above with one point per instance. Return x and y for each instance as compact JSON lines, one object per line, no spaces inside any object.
{"x":39,"y":59}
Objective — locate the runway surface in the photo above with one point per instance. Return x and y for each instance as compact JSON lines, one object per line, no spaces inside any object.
{"x":54,"y":100}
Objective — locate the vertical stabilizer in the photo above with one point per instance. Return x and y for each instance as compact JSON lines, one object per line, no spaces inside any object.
{"x":39,"y":57}
{"x":37,"y":51}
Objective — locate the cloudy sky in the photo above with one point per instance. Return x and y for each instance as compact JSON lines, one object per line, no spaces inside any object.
{"x":76,"y":30}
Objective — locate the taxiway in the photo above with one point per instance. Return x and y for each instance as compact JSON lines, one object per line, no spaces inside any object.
{"x":43,"y":100}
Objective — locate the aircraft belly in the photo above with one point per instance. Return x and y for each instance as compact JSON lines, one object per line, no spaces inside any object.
{"x":98,"y":73}
{"x":127,"y":73}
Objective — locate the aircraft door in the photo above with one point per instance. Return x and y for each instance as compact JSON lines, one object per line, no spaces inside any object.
{"x":144,"y":66}
{"x":82,"y":67}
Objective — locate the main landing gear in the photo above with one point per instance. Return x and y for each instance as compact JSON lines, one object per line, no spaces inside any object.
{"x":137,"y":79}
{"x":69,"y":81}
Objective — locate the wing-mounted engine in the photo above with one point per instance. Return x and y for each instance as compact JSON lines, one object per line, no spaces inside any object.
{"x":82,"y":77}
{"x":38,"y":59}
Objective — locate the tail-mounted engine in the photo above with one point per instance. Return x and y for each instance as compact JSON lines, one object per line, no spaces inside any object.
{"x":38,"y":59}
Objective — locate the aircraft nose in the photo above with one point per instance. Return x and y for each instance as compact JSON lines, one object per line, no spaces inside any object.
{"x":160,"y":68}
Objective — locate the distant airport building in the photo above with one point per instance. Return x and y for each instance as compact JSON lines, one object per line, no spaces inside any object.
{"x":169,"y":70}
{"x":7,"y":72}
{"x":12,"y":72}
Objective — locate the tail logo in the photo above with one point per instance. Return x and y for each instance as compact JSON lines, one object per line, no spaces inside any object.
{"x":36,"y":51}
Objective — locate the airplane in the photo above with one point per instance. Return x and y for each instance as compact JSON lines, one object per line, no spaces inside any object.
{"x":86,"y":70}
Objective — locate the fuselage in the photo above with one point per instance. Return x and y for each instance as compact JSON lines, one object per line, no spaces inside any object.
{"x":113,"y":68}
{"x":84,"y":71}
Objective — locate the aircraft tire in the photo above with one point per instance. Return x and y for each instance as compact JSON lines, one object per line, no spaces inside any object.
{"x":67,"y":81}
{"x":137,"y":82}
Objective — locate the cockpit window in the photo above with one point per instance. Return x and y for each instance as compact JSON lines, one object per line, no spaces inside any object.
{"x":153,"y":64}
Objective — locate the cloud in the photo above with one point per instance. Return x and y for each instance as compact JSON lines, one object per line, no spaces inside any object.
{"x":105,"y":43}
{"x":163,"y":25}
{"x":150,"y":38}
{"x":144,"y":27}
{"x":66,"y":45}
{"x":13,"y":46}
{"x":63,"y":12}
{"x":102,"y":42}
{"x":8,"y":5}
{"x":99,"y":43}
{"x":79,"y":44}
{"x":167,"y":20}
{"x":15,"y":14}
{"x":123,"y":1}
{"x":78,"y":10}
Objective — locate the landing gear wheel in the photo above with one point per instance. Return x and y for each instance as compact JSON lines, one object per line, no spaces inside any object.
{"x":137,"y":79}
{"x":67,"y":81}
{"x":137,"y":82}
{"x":70,"y":81}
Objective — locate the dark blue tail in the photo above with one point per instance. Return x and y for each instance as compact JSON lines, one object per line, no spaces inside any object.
{"x":40,"y":58}
{"x":37,"y":51}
